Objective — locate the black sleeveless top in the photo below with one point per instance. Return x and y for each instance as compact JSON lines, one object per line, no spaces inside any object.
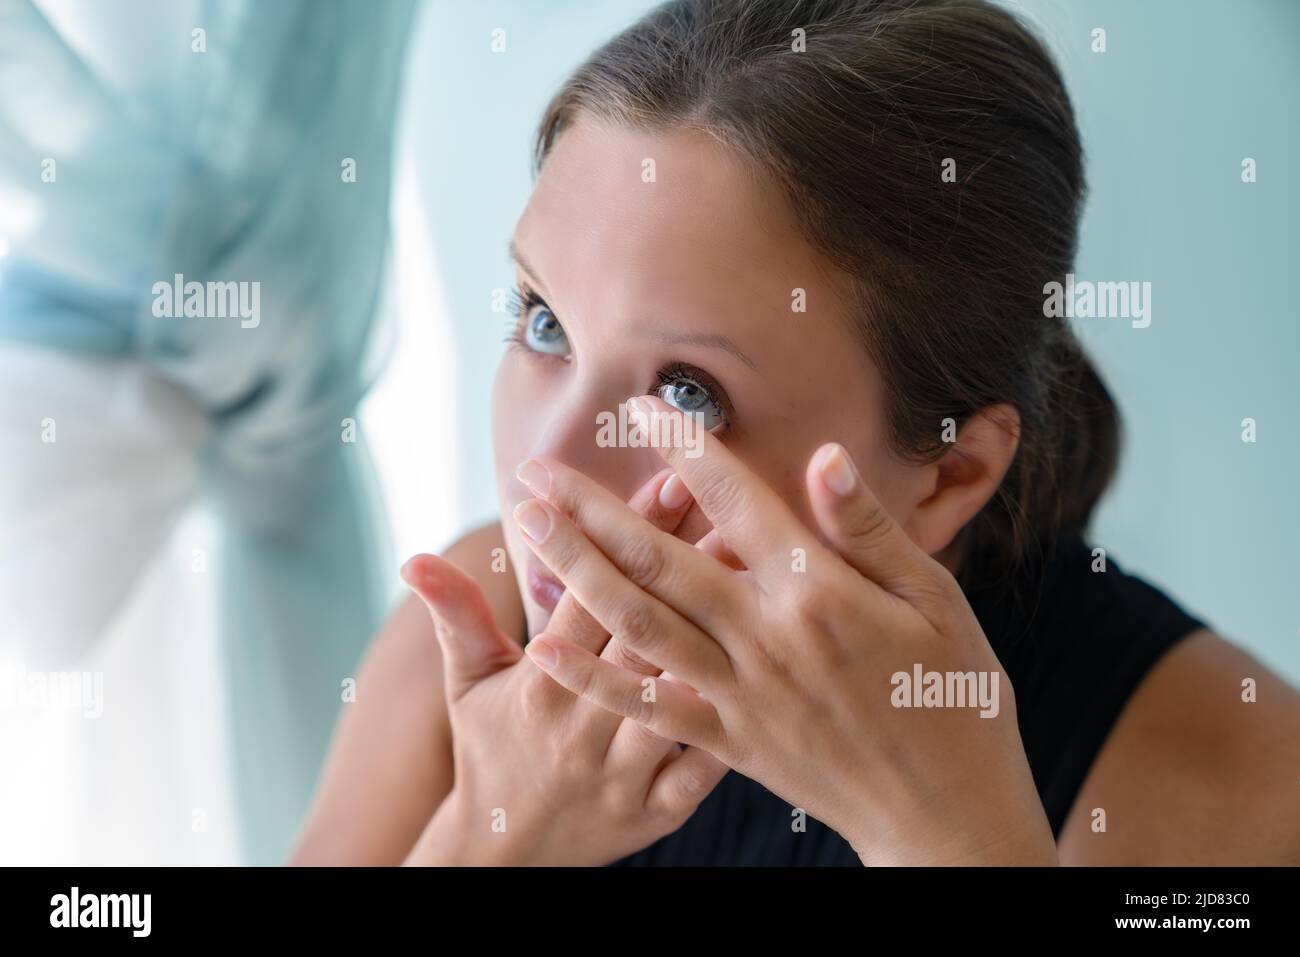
{"x":1074,"y":644}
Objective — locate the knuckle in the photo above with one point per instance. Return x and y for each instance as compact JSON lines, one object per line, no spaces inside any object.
{"x":809,"y":607}
{"x":564,"y":554}
{"x":577,"y":505}
{"x":635,"y":623}
{"x":691,"y":789}
{"x":633,"y":702}
{"x":721,"y":495}
{"x":642,"y":561}
{"x":681,"y":800}
{"x":625,"y":657}
{"x":871,"y":522}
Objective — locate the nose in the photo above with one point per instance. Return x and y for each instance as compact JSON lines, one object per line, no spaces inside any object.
{"x":585,"y":434}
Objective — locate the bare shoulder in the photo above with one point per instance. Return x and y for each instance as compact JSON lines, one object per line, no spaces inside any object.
{"x":1202,"y":767}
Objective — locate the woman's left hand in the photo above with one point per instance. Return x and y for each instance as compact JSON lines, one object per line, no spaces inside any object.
{"x":795,"y":668}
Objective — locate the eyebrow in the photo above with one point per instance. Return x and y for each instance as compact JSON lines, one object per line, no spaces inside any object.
{"x":699,"y":339}
{"x":516,"y":256}
{"x":706,"y":340}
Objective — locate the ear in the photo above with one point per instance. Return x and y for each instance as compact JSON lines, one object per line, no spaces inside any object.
{"x":956,"y":487}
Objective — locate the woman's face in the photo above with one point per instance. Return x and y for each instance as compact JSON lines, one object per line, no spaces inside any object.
{"x":683,"y":286}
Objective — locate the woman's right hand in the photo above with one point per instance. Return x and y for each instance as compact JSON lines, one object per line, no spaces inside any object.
{"x":542,"y":776}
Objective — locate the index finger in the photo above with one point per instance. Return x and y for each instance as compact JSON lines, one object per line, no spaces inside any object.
{"x":570,"y":620}
{"x":755,"y":521}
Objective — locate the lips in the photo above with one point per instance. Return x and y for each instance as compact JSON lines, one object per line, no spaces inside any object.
{"x":543,"y":589}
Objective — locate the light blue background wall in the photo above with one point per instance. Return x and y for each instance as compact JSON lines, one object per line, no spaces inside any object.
{"x":1184,"y":91}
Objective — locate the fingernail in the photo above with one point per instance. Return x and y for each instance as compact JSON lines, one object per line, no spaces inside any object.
{"x":533,"y":519}
{"x":674,"y":494}
{"x":542,"y":653}
{"x":535,"y":475}
{"x":407,"y":571}
{"x":836,"y":471}
{"x":637,"y":409}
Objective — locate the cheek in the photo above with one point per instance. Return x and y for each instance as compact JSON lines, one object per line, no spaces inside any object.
{"x":780,"y":466}
{"x":892,"y":482}
{"x":519,"y":404}
{"x":512,"y":415}
{"x":897,"y":486}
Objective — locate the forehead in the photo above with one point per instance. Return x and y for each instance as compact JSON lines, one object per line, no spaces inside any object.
{"x":668,"y":216}
{"x":704,"y":245}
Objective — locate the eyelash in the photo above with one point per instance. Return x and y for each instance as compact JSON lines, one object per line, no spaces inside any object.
{"x":523,"y":299}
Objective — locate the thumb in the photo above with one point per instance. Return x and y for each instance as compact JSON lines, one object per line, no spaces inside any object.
{"x":473,"y":647}
{"x":858,"y":526}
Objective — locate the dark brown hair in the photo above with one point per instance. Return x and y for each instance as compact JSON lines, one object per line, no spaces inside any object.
{"x":947,"y":277}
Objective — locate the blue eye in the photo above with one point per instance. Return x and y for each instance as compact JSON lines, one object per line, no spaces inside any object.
{"x":543,"y":332}
{"x":685,"y":387}
{"x":686,"y":395}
